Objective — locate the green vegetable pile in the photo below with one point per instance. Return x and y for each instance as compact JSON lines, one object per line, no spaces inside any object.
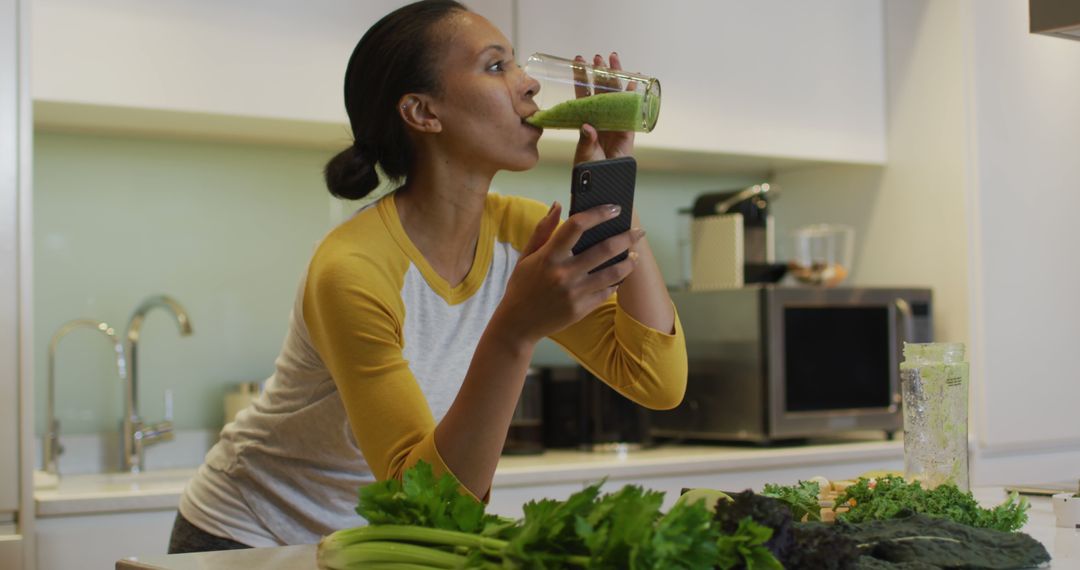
{"x":424,"y":521}
{"x":891,"y":497}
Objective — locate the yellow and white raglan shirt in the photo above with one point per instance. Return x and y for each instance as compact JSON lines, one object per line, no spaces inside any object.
{"x":377,"y":347}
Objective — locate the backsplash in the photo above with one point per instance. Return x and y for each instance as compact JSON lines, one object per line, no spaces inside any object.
{"x":225,"y":229}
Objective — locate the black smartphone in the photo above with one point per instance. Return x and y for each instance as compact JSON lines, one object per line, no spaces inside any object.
{"x":608,"y":181}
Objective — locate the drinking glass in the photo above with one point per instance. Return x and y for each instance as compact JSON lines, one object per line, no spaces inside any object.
{"x":573,"y":93}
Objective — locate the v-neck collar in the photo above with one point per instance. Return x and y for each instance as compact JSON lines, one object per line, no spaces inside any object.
{"x":481,"y":258}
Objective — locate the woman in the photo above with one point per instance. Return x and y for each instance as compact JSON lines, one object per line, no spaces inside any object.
{"x":413,"y":329}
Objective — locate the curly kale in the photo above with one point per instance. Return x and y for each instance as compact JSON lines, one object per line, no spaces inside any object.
{"x":802,"y":498}
{"x":892,"y":497}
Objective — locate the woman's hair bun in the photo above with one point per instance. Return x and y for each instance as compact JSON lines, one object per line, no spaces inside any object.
{"x":351,"y":174}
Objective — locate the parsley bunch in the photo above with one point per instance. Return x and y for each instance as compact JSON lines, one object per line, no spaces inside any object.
{"x":422,"y":500}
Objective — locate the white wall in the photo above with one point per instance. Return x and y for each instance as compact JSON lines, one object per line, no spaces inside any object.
{"x":909,"y":216}
{"x":978,"y":200}
{"x":1026,"y":305}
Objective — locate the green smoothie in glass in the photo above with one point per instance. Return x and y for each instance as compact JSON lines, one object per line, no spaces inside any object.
{"x":622,"y":101}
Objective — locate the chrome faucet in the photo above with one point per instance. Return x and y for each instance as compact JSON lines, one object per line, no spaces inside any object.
{"x":138,"y":436}
{"x":52,"y":448}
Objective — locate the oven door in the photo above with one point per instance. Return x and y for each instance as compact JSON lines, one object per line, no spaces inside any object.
{"x":834,"y":357}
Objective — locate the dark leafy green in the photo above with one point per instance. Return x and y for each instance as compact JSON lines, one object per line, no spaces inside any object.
{"x":892,"y":497}
{"x":765,"y":511}
{"x":801,"y":497}
{"x":942,"y":543}
{"x":819,"y":546}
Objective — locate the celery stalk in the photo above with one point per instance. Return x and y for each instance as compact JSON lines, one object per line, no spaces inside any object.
{"x":406,"y":533}
{"x":364,"y":554}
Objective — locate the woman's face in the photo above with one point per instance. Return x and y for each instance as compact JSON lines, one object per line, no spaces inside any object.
{"x":485,"y":98}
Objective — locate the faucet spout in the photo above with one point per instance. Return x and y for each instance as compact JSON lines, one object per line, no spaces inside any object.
{"x":52,"y":448}
{"x":136,"y":436}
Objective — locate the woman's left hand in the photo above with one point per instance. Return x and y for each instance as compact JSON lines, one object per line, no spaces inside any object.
{"x":594,"y":145}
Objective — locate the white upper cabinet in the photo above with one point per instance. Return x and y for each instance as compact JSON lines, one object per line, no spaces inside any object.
{"x":763,"y":77}
{"x":769,"y":78}
{"x":277,"y":59}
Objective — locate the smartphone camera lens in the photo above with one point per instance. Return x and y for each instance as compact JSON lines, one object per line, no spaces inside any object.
{"x":586,"y":177}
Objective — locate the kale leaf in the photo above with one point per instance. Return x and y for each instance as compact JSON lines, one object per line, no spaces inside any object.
{"x":892,"y":497}
{"x":936,"y":542}
{"x":802,"y":498}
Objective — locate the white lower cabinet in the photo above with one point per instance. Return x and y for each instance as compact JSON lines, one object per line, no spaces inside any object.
{"x":99,"y":540}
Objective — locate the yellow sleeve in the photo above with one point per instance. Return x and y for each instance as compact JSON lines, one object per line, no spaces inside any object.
{"x":354,"y":316}
{"x":641,"y":363}
{"x":645,"y":365}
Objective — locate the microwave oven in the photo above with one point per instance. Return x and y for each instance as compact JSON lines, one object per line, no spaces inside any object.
{"x":770,"y":363}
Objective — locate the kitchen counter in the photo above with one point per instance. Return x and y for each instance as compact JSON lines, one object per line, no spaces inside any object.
{"x":160,"y":490}
{"x":1062,"y":543}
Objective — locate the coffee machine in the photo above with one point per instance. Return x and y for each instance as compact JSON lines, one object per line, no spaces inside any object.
{"x":733,"y":239}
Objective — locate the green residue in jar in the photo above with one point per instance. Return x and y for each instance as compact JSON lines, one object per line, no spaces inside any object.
{"x":935,"y":379}
{"x":615,"y":111}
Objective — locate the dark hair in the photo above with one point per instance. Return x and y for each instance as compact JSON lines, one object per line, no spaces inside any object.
{"x":396,"y":56}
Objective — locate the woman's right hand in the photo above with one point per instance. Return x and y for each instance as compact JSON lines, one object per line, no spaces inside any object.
{"x":551,"y":288}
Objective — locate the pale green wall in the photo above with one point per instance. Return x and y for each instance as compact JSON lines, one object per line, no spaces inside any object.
{"x":225,"y":229}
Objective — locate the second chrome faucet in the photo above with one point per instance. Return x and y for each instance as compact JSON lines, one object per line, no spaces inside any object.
{"x":136,"y":434}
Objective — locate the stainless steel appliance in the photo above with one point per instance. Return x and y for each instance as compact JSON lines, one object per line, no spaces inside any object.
{"x":582,"y":412}
{"x":771,"y":363}
{"x":526,"y":433}
{"x":729,"y":241}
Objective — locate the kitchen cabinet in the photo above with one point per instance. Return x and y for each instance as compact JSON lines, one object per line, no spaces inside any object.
{"x":130,"y":63}
{"x":281,"y":59}
{"x":98,"y":541}
{"x":768,"y":78}
{"x":748,"y":87}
